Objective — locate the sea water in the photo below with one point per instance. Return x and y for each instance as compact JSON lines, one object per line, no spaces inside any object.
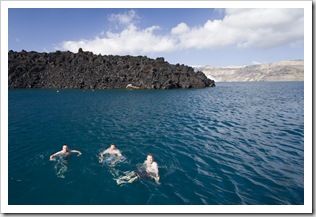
{"x":237,"y":143}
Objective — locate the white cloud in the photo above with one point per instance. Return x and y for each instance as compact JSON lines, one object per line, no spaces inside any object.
{"x":180,"y":29}
{"x":261,"y":28}
{"x":243,"y":28}
{"x":265,"y":27}
{"x":125,"y":18}
{"x":130,"y":41}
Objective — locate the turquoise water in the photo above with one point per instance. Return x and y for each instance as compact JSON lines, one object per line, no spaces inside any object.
{"x":237,"y":143}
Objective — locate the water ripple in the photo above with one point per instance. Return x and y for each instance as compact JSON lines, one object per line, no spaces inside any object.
{"x":234,"y":144}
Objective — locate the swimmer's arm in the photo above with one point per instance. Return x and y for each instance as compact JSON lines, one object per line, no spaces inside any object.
{"x":119,"y":154}
{"x":155,"y":168}
{"x":104,"y":152}
{"x":156,"y":176}
{"x":76,"y":151}
{"x":53,"y":155}
{"x":157,"y":180}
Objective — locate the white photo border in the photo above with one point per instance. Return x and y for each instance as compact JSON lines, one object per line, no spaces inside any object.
{"x":306,"y":208}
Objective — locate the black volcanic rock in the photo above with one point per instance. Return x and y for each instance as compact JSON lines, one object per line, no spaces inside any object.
{"x":84,"y":70}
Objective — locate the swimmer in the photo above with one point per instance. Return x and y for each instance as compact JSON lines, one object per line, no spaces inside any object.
{"x":152,"y":168}
{"x":150,"y":171}
{"x":112,"y":150}
{"x":64,"y":153}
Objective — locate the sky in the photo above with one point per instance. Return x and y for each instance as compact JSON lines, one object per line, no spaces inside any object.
{"x":191,"y":36}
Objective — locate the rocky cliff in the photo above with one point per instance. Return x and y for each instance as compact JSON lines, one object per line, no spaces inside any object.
{"x":291,"y":70}
{"x":84,"y":70}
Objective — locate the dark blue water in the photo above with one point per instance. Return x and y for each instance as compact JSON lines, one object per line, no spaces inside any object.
{"x":237,"y":143}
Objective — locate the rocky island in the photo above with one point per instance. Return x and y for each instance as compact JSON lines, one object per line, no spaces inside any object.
{"x":85,"y":70}
{"x":288,"y":70}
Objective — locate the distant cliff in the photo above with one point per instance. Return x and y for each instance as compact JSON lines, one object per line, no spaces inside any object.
{"x":84,"y":70}
{"x":292,"y":70}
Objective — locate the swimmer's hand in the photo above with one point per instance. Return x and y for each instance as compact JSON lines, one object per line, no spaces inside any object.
{"x":155,"y":177}
{"x":79,"y":153}
{"x":157,"y":180}
{"x":52,"y":158}
{"x":100,"y":159}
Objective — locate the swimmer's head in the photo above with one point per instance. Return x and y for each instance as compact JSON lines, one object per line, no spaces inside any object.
{"x":113,"y":146}
{"x":65,"y":148}
{"x":150,"y":158}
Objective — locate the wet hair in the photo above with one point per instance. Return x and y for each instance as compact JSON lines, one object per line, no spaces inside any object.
{"x":113,"y":144}
{"x":150,"y":154}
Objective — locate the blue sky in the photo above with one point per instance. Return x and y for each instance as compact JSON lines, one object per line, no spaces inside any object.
{"x":191,"y":36}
